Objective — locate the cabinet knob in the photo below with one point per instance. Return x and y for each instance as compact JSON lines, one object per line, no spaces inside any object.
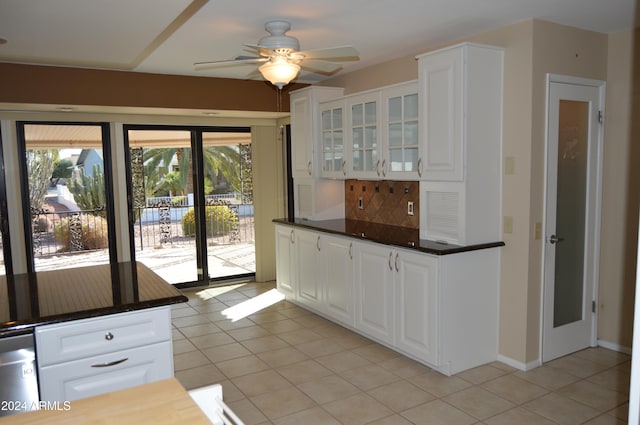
{"x":384,"y":172}
{"x":378,"y":167}
{"x":108,"y":336}
{"x":390,"y":257}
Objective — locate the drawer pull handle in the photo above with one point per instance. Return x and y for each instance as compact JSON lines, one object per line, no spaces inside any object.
{"x":108,"y":336}
{"x":108,"y":364}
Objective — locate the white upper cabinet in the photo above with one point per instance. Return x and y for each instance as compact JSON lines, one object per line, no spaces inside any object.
{"x":460,"y":108}
{"x":332,"y":144}
{"x":304,"y":128}
{"x":461,"y":137}
{"x":372,"y":134}
{"x":401,"y":144}
{"x":363,"y":118}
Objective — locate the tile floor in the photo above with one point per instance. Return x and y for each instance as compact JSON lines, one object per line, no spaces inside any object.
{"x":283,"y":365}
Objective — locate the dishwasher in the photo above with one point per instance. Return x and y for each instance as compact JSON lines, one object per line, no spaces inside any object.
{"x":18,"y":379}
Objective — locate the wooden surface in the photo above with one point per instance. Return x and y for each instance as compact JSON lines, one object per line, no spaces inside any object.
{"x":158,"y":403}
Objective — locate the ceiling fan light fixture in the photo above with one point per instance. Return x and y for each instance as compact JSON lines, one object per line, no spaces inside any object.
{"x":279,"y":73}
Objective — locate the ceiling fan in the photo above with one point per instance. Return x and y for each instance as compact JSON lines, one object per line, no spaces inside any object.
{"x":282,"y":59}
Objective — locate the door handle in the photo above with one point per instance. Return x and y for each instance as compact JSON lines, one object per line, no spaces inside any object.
{"x":555,"y":239}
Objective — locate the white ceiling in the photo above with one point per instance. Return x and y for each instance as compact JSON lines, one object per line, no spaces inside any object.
{"x":168,"y":36}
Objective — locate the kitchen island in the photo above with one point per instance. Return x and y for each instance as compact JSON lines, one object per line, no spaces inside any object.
{"x":96,"y":329}
{"x":432,"y":301}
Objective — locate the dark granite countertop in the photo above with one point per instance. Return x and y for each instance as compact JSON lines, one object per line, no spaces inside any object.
{"x":30,"y":300}
{"x":385,"y":234}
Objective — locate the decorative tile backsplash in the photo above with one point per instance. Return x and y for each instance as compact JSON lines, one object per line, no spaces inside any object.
{"x":383,"y":202}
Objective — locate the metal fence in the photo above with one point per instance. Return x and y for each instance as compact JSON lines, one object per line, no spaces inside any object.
{"x":58,"y":232}
{"x":174,"y":225}
{"x":162,"y":223}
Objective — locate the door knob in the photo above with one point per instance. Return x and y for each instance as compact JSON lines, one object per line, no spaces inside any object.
{"x":555,"y":239}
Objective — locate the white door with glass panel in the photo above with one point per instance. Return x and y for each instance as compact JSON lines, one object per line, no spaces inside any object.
{"x":572,"y":215}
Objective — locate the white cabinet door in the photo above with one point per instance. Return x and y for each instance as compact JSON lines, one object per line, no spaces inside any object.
{"x":441,"y":80}
{"x":363,"y":136}
{"x":332,"y":139}
{"x":374,"y":271}
{"x":305,"y":151}
{"x":106,"y":373}
{"x":285,"y":261}
{"x":301,"y":134}
{"x":417,"y":305}
{"x":310,"y":268}
{"x":400,"y":145}
{"x":338,"y":260}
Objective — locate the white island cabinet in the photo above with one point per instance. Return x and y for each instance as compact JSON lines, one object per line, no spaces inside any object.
{"x":87,"y":357}
{"x":441,"y":310}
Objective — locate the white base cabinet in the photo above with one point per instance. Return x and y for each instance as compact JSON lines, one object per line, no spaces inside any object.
{"x":441,"y":310}
{"x":315,"y":269}
{"x":87,"y":357}
{"x":338,"y":260}
{"x":373,"y":278}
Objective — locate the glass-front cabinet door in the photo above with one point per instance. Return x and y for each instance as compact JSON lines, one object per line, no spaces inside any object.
{"x":332,"y":138}
{"x":402,"y":152}
{"x":364,"y":143}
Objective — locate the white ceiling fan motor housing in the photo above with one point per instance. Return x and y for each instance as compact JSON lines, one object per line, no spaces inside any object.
{"x":278,"y":40}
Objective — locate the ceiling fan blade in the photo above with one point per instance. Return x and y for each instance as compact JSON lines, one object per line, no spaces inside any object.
{"x":232,"y":62}
{"x":342,"y":53}
{"x":262,"y":51}
{"x":320,"y":66}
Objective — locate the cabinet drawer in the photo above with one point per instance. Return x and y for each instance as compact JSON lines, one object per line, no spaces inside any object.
{"x":106,"y":373}
{"x":107,"y":334}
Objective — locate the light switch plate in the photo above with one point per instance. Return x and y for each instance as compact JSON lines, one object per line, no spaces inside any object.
{"x":509,"y":165}
{"x":360,"y":203}
{"x":507,"y":224}
{"x":410,"y":208}
{"x":538,"y":231}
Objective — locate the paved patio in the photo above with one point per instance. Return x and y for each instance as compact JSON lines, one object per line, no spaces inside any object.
{"x":176,"y":264}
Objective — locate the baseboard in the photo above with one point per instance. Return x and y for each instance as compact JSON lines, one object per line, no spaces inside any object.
{"x":519,"y":365}
{"x":614,"y":346}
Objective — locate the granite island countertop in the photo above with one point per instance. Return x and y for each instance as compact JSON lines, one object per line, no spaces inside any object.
{"x":403,"y":237}
{"x":29,"y":300}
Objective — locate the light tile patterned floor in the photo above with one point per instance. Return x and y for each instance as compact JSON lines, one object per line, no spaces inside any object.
{"x":284,"y":365}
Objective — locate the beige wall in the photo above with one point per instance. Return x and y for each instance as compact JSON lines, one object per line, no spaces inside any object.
{"x":532,"y":49}
{"x":268,"y":192}
{"x":619,"y":199}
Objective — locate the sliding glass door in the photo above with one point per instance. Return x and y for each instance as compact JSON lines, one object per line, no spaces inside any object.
{"x":65,"y":181}
{"x":191,"y":210}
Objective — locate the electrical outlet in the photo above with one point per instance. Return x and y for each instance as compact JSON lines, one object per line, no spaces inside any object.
{"x":410,"y":208}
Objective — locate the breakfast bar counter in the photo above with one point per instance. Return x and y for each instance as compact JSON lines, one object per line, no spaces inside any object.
{"x":42,"y":298}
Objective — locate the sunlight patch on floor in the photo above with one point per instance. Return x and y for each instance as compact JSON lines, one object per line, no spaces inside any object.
{"x":253,"y":305}
{"x":207,"y":294}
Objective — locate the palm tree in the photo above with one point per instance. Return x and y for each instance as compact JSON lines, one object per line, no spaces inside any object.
{"x":225,"y":159}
